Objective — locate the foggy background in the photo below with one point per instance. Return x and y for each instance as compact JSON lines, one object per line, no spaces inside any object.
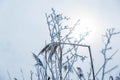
{"x":23,"y":30}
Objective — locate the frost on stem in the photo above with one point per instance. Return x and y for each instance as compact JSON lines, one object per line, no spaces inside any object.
{"x":62,"y":51}
{"x":107,"y":40}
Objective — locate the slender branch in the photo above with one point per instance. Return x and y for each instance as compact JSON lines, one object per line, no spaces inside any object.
{"x":111,"y":69}
{"x":69,"y":68}
{"x":107,"y":61}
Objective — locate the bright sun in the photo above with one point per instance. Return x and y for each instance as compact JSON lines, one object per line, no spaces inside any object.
{"x":87,"y":23}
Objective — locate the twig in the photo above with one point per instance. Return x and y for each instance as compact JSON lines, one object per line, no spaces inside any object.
{"x":111,"y":69}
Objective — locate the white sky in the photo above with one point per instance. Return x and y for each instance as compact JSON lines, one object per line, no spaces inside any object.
{"x":23,"y":28}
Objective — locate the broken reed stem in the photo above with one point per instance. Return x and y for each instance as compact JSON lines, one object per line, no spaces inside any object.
{"x":92,"y":66}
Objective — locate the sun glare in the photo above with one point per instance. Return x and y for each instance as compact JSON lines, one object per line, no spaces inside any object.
{"x":88,"y":23}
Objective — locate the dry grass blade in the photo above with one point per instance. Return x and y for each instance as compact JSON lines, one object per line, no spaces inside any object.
{"x":45,"y":49}
{"x":39,"y":62}
{"x":50,"y":47}
{"x":53,"y":49}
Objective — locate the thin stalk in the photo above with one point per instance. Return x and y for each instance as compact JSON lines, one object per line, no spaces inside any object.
{"x":92,"y":66}
{"x":60,"y":66}
{"x":45,"y":65}
{"x":31,"y":75}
